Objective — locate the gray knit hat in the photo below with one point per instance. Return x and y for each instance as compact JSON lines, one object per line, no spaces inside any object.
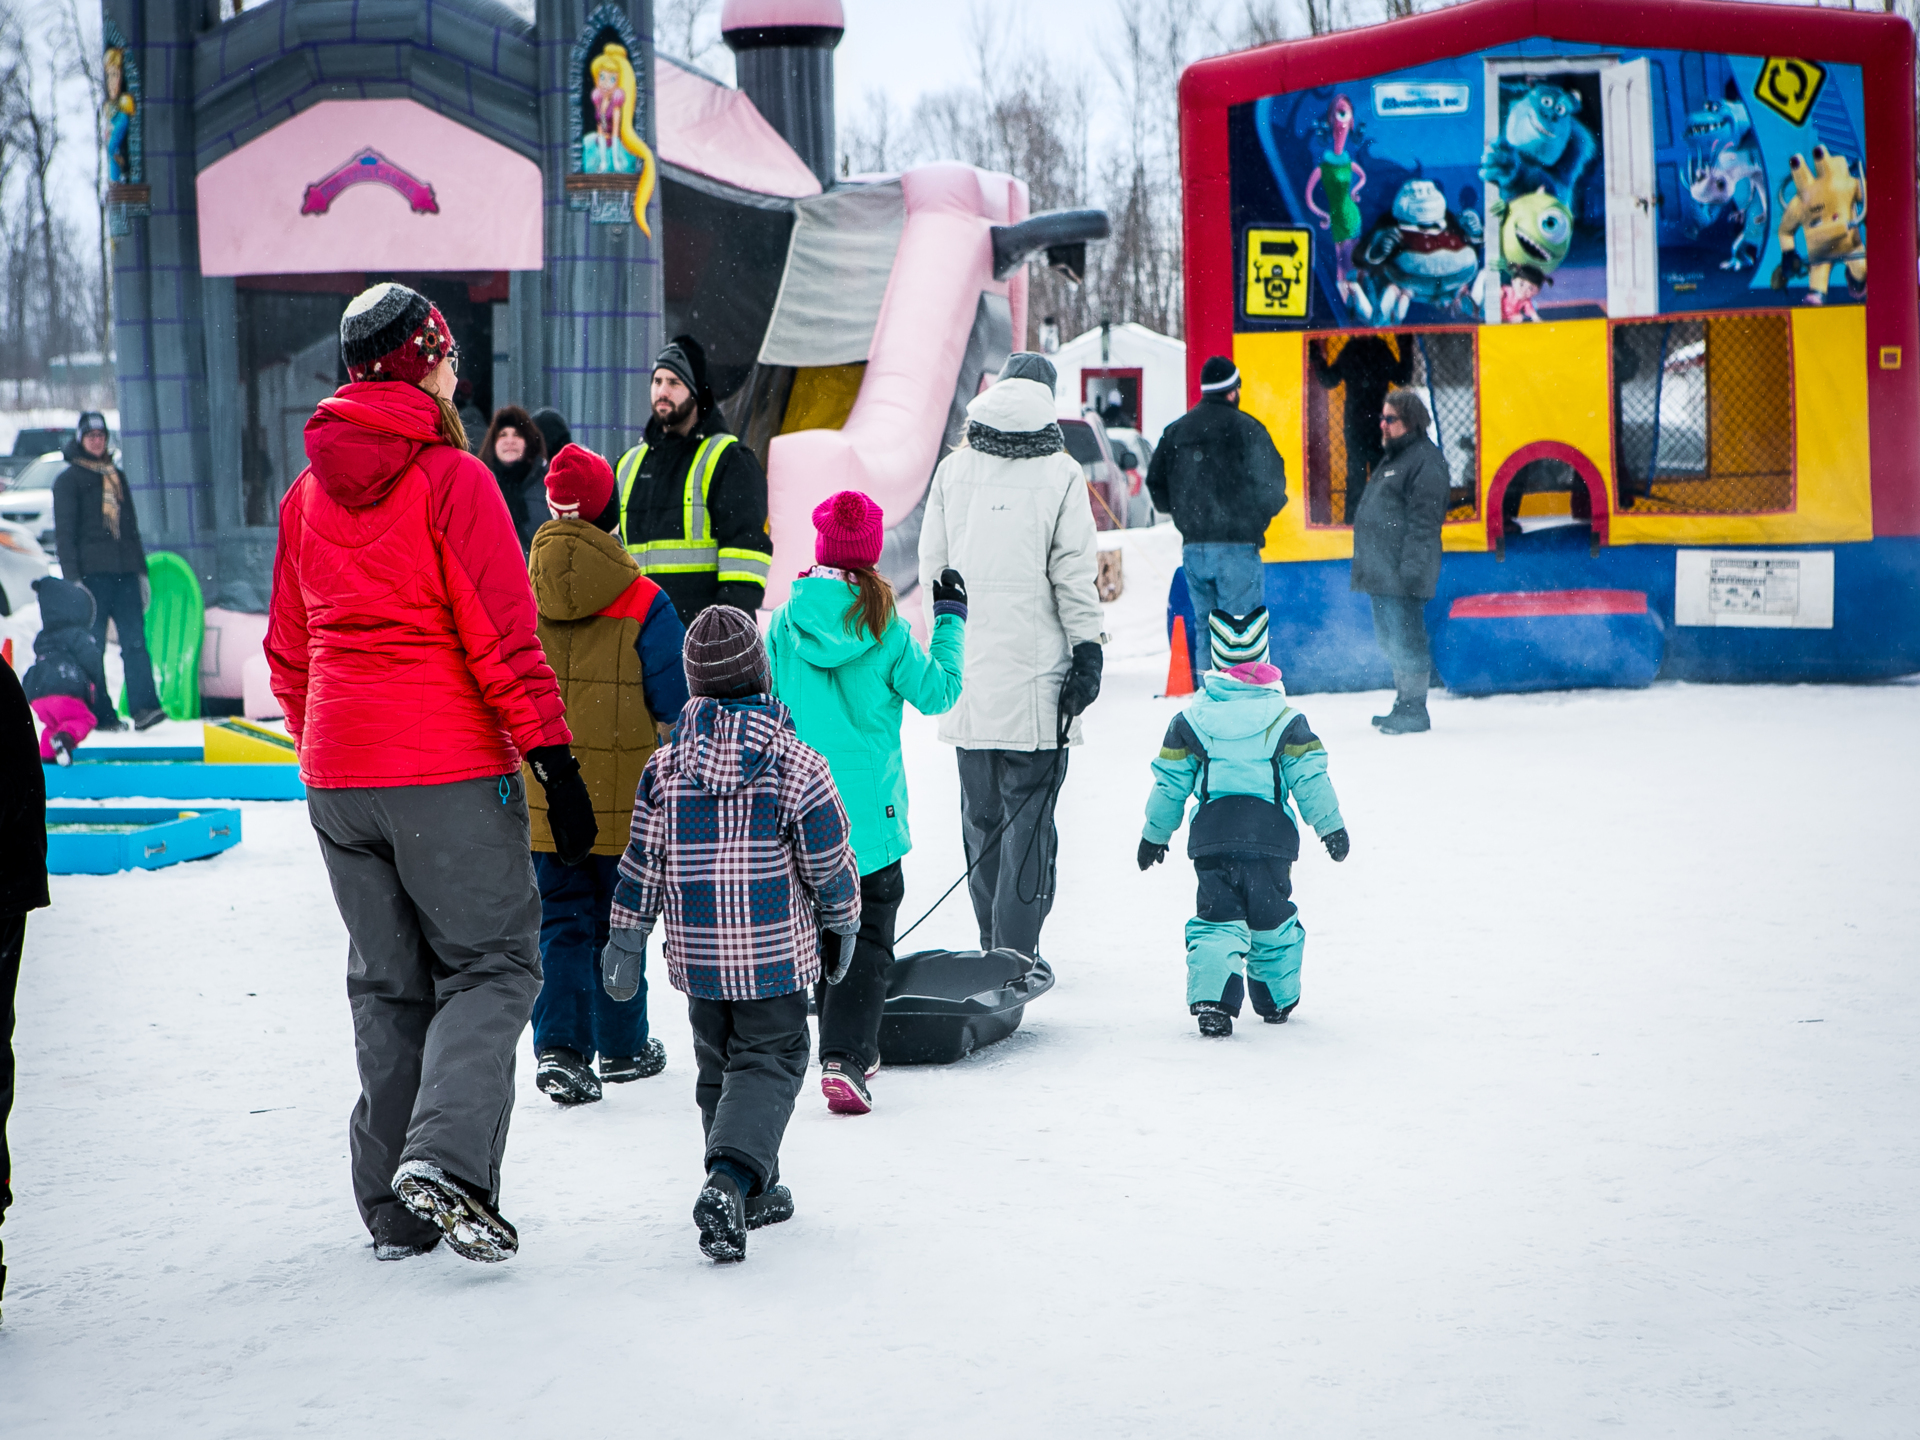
{"x":1025,"y":365}
{"x":725,"y":656}
{"x":1237,"y":639}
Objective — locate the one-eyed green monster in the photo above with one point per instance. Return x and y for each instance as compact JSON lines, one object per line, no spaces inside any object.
{"x":1536,"y":230}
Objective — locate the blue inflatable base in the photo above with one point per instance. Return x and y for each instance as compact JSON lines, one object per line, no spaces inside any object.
{"x":1510,"y":654}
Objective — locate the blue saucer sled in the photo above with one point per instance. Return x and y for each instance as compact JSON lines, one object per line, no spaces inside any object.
{"x":942,"y":1005}
{"x":105,"y":839}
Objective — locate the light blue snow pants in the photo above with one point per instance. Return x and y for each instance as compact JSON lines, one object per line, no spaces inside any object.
{"x":1218,"y":950}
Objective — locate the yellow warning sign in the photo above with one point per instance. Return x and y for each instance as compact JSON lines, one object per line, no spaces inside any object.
{"x":1790,"y":87}
{"x":1277,"y":273}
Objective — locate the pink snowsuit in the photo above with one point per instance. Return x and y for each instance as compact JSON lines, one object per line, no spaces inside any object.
{"x":62,"y":713}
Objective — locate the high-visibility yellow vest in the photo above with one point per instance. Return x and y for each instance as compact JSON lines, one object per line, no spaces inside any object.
{"x":694,"y":552}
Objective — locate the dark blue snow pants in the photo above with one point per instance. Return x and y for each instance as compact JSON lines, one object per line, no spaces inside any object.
{"x":576,"y":903}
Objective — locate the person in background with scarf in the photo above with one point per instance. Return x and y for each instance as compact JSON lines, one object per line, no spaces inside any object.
{"x":97,"y":535}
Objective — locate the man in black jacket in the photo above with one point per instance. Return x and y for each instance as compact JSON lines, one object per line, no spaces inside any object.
{"x":693,"y":500}
{"x":23,"y":883}
{"x":1396,"y":552}
{"x":1216,"y":470}
{"x":97,"y":535}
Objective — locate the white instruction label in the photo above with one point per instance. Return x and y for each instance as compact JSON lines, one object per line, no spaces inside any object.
{"x":1777,"y":589}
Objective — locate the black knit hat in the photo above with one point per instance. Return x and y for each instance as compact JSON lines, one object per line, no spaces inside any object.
{"x":725,"y":656}
{"x":685,"y":358}
{"x":1219,"y":373}
{"x":1025,"y":365}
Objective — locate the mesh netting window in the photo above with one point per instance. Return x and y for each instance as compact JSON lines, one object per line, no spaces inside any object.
{"x":1703,"y":415}
{"x":1347,"y":378}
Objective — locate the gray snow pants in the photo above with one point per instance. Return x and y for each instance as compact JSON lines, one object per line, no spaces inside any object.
{"x":1400,"y":627}
{"x":1013,"y":881}
{"x":752,"y":1057}
{"x":435,"y":884}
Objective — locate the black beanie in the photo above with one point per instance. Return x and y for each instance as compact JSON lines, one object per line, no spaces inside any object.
{"x":1219,"y":374}
{"x":685,"y":358}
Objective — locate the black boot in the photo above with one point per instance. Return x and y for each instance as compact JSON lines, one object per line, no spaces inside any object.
{"x":1408,"y":720}
{"x":1215,"y":1022}
{"x":770,"y":1207}
{"x":721,"y":1214}
{"x":1263,"y":1005}
{"x":565,"y":1077}
{"x":619,"y":1069}
{"x":473,"y":1228}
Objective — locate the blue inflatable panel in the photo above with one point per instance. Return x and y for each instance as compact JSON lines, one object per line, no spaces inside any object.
{"x":116,"y":772}
{"x":1548,"y":640}
{"x":105,"y":839}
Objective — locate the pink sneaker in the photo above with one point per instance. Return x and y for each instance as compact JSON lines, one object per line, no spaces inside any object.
{"x":845,"y":1087}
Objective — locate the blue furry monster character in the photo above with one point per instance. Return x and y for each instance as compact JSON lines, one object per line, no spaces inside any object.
{"x":1420,"y":250}
{"x":1542,"y":146}
{"x":1725,"y":176}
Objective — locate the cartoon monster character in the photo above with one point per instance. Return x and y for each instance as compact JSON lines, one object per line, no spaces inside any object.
{"x":1725,"y":176}
{"x":1420,"y":251}
{"x":1535,"y":232}
{"x":116,"y":117}
{"x":1343,"y":180}
{"x":1541,"y":145}
{"x":614,"y":148}
{"x":1827,"y":210}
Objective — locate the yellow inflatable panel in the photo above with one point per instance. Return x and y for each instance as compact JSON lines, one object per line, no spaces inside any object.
{"x":241,"y":742}
{"x":823,"y":397}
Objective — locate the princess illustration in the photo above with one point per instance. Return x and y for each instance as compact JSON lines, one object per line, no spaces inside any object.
{"x":613,"y":148}
{"x":116,"y":118}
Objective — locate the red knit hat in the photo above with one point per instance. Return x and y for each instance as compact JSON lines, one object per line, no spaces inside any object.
{"x":579,"y":484}
{"x":390,"y":332}
{"x":848,"y":531}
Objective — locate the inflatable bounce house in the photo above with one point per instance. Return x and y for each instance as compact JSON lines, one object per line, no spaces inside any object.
{"x":569,"y":201}
{"x":1625,"y":252}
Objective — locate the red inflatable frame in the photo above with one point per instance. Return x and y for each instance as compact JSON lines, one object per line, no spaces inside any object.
{"x":1881,"y":45}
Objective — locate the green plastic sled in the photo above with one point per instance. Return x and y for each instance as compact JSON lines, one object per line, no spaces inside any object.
{"x":176,"y":624}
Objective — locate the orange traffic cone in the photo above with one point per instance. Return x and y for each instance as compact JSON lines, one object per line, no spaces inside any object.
{"x":1179,"y":665}
{"x":6,"y":651}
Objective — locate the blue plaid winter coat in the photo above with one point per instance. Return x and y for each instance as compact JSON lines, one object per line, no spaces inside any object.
{"x":738,"y":839}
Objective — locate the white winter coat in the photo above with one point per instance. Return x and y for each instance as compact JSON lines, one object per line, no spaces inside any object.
{"x":1021,"y":534}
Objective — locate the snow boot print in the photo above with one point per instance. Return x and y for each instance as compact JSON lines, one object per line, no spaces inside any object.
{"x":469,"y":1223}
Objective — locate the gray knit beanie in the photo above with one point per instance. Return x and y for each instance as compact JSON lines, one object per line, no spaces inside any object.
{"x":725,"y":656}
{"x":1025,"y":365}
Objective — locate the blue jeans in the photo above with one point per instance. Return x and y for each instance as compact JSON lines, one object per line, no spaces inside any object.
{"x":1225,"y":577}
{"x":576,"y":903}
{"x":117,"y":598}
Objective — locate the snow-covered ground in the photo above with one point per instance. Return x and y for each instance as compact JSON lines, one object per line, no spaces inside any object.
{"x":1599,"y":1117}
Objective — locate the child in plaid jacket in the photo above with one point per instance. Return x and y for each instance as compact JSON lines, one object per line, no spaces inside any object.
{"x":740,"y":840}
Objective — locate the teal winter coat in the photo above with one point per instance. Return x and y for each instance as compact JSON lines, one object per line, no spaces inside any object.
{"x":846,"y":691}
{"x":1244,"y":751}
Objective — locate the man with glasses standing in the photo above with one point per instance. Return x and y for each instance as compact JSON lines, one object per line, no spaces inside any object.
{"x":1396,"y":552}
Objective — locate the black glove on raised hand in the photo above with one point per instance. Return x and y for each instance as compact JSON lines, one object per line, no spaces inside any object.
{"x":950,"y":594}
{"x":1082,"y":685}
{"x":838,"y":962}
{"x":1151,"y":854}
{"x":623,"y":961}
{"x":1337,"y":845}
{"x":569,"y":806}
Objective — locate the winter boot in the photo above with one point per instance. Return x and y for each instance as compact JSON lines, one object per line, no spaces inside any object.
{"x":62,"y":747}
{"x":844,"y":1083}
{"x":770,"y":1208}
{"x":147,"y":719}
{"x":468,"y":1220}
{"x":1399,"y":709}
{"x":1263,"y":1005}
{"x":1215,"y":1022}
{"x":388,"y":1244}
{"x":619,"y":1069}
{"x":1410,"y":720}
{"x":721,"y":1214}
{"x":565,"y":1078}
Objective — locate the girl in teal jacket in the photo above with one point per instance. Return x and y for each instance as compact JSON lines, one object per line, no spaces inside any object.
{"x":845,"y":664}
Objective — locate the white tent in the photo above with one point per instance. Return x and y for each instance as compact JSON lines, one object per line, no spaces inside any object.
{"x":1148,"y":368}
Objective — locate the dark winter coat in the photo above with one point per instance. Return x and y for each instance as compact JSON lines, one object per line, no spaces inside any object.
{"x":736,"y":511}
{"x":84,"y":543}
{"x":23,"y":804}
{"x":1216,"y":470}
{"x":523,"y":487}
{"x":1396,"y":535}
{"x":66,"y":657}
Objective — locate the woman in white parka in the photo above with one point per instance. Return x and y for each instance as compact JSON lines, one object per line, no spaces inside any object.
{"x":1010,"y":512}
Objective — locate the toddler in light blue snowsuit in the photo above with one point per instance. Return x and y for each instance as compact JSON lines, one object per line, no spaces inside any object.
{"x":1243,"y":750}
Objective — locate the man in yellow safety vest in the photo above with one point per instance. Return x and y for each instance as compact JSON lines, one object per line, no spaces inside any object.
{"x":693,"y":499}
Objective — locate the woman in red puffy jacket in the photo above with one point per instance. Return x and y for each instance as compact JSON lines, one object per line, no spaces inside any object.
{"x":401,"y":641}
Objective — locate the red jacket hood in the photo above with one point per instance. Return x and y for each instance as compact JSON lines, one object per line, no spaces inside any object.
{"x":364,"y":436}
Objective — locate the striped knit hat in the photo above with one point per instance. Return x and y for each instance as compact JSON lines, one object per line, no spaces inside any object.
{"x":390,"y":332}
{"x":725,"y":656}
{"x":1237,"y":640}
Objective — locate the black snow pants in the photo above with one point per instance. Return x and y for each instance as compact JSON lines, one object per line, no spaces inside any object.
{"x":752,"y":1059}
{"x":435,"y":884}
{"x":850,"y":1011}
{"x":1013,"y":881}
{"x":13,"y":939}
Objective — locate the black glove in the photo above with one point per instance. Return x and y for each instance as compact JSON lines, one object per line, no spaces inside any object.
{"x":1082,"y":685}
{"x":950,"y":594}
{"x":623,"y":961}
{"x":836,"y":969}
{"x":569,"y":806}
{"x":1336,"y":844}
{"x":1151,"y":854}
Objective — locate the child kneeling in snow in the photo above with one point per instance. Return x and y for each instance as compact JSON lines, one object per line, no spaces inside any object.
{"x":740,"y":838}
{"x":1243,"y":749}
{"x":67,"y":684}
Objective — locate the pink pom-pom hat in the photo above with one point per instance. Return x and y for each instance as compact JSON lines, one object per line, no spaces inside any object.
{"x":848,"y":532}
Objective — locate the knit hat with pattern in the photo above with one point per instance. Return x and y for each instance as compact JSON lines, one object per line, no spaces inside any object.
{"x":392,"y":333}
{"x":1238,"y":639}
{"x":847,"y":532}
{"x":725,"y":656}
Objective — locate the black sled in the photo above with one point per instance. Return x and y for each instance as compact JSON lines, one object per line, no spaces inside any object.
{"x":942,"y":1005}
